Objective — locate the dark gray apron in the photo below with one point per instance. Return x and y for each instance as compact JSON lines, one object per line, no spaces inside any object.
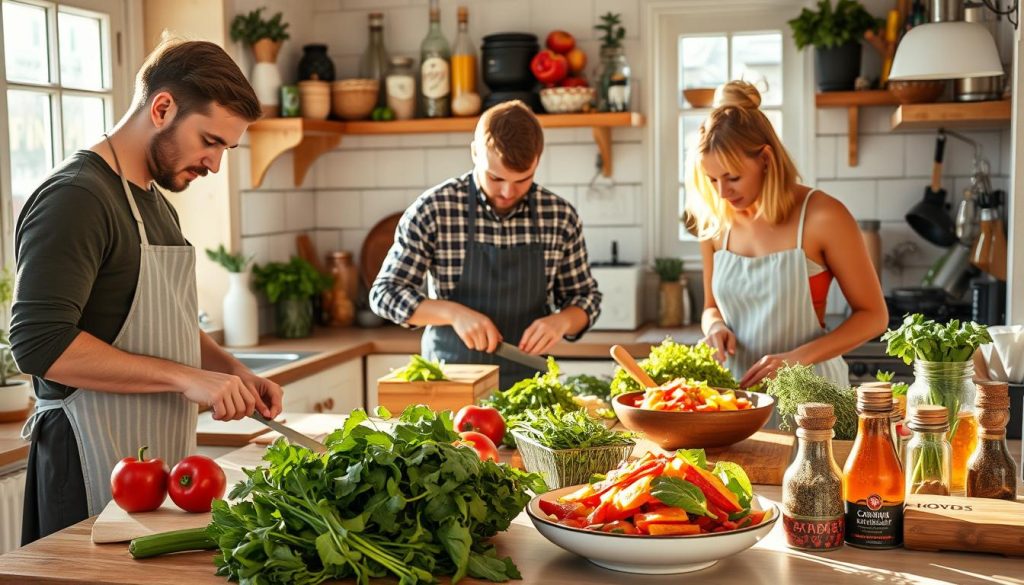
{"x":509,"y":285}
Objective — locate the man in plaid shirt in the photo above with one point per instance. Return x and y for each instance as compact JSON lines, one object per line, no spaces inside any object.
{"x":505,"y":259}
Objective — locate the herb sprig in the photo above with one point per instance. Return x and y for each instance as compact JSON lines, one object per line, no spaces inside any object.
{"x":574,"y":429}
{"x":923,"y":339}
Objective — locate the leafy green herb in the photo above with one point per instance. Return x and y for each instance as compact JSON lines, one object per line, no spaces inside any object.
{"x":542,"y":391}
{"x":408,"y":504}
{"x":898,"y":388}
{"x":296,"y":279}
{"x":587,"y":385}
{"x":794,"y":385}
{"x":420,"y":369}
{"x":612,"y":29}
{"x":925,"y":340}
{"x":230,"y":262}
{"x":573,"y":429}
{"x":668,"y":269}
{"x":695,"y":457}
{"x":830,"y":27}
{"x":251,"y":27}
{"x":734,"y":478}
{"x":673,"y":491}
{"x":671,"y":360}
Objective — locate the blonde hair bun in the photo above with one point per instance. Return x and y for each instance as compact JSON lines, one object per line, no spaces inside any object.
{"x":738,"y":93}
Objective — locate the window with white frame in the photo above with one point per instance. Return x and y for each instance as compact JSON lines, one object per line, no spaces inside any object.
{"x":703,"y":49}
{"x":58,"y":87}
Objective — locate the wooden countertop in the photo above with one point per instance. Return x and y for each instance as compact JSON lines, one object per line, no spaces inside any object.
{"x":336,"y":346}
{"x":69,"y":556}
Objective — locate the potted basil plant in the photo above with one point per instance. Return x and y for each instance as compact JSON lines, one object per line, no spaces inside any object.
{"x":835,"y":33}
{"x":290,"y":287}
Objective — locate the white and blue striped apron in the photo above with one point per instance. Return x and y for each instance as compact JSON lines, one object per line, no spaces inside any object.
{"x":766,"y":302}
{"x":161,"y":323}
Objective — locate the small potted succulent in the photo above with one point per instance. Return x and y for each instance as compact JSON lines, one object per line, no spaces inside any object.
{"x":265,"y":37}
{"x":241,"y":311}
{"x":15,"y":393}
{"x":670,"y":307}
{"x":291,"y":286}
{"x":835,"y":33}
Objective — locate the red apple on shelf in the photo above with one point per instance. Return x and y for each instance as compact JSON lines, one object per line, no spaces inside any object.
{"x":560,"y":42}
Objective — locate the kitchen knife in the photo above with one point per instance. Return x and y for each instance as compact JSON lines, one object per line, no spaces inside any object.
{"x":514,"y":354}
{"x":291,"y":434}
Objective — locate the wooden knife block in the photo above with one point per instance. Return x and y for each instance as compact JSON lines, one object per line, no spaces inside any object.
{"x":968,"y":524}
{"x":466,"y":384}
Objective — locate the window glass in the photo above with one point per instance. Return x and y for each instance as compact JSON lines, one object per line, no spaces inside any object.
{"x":25,"y":43}
{"x":83,"y":121}
{"x":81,"y":51}
{"x":31,"y":135}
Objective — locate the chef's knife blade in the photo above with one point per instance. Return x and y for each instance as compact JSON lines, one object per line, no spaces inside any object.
{"x":291,"y":434}
{"x":514,"y":354}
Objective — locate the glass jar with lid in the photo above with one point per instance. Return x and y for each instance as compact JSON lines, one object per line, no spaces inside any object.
{"x":400,"y":85}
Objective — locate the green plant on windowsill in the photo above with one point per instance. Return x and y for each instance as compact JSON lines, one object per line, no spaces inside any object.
{"x":231,"y":262}
{"x":251,"y":27}
{"x":828,"y":27}
{"x":668,"y":269}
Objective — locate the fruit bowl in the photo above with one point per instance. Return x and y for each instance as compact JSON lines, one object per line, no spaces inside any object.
{"x":651,"y":555}
{"x":694,"y":430}
{"x":566,"y":100}
{"x":699,"y":97}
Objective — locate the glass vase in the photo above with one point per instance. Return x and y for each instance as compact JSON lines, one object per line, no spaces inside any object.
{"x":615,"y":81}
{"x":949,"y":384}
{"x":293,"y":318}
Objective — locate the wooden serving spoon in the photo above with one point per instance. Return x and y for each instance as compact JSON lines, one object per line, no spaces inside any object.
{"x":622,"y":357}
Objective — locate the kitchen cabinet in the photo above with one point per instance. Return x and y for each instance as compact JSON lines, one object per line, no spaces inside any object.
{"x":338,"y":389}
{"x":268,"y":139}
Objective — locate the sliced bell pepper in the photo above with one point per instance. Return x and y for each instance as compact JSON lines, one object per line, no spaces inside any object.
{"x":620,"y":527}
{"x":713,"y":489}
{"x":635,"y":494}
{"x":672,"y":529}
{"x":563,"y":510}
{"x":664,"y":516}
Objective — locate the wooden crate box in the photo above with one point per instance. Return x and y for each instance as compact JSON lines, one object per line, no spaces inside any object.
{"x":466,"y":384}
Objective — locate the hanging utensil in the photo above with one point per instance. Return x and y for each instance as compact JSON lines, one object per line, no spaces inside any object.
{"x":929,"y":217}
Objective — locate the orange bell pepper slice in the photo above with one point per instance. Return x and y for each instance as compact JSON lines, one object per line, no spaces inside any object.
{"x":672,"y":529}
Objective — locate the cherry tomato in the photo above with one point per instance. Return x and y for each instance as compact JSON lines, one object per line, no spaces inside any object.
{"x":195,"y":482}
{"x":485,"y":419}
{"x":479,"y":442}
{"x":137,"y":484}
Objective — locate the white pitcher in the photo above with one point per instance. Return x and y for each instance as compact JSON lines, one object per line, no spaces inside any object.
{"x":241,"y":312}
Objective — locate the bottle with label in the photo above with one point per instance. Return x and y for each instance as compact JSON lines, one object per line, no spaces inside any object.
{"x":812,"y":489}
{"x":873,"y":482}
{"x":435,"y":77}
{"x":401,"y":88}
{"x":463,"y":58}
{"x":375,"y":61}
{"x":991,"y":471}
{"x":928,"y":452}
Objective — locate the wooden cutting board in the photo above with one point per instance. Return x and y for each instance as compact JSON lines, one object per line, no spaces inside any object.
{"x":966,"y":524}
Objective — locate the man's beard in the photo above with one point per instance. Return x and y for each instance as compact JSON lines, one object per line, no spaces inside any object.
{"x":163,"y":161}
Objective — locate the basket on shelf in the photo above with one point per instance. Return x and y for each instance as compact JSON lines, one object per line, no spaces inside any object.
{"x":565,"y":467}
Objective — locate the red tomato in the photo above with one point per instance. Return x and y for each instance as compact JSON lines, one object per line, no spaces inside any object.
{"x":195,"y":482}
{"x":484,"y":419}
{"x":479,"y":442}
{"x":139,"y":485}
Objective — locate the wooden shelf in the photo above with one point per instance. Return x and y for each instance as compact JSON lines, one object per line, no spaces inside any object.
{"x":994,"y":114}
{"x":853,"y":101}
{"x":269,"y":139}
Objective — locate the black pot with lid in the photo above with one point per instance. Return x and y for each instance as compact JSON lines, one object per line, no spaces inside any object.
{"x":506,"y":61}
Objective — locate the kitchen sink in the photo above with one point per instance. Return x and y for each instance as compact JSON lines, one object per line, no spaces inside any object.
{"x":261,"y":361}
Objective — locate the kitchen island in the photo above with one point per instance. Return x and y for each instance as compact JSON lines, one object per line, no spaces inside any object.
{"x":69,"y":556}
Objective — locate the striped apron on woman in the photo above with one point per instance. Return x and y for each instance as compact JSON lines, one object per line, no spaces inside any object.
{"x":766,"y":302}
{"x":161,"y":323}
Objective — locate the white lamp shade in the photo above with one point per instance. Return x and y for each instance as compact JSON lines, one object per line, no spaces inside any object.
{"x":946,"y":50}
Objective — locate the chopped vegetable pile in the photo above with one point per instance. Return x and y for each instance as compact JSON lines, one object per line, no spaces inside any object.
{"x":671,"y":360}
{"x":691,"y":396}
{"x":658,"y":495}
{"x":420,"y":369}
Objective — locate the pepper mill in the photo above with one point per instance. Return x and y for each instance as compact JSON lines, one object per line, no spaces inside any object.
{"x":991,"y":471}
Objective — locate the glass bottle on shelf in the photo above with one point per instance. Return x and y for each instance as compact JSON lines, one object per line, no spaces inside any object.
{"x":375,"y":61}
{"x":928,"y":453}
{"x":435,"y":75}
{"x":463,"y":58}
{"x":991,"y":471}
{"x":614,"y":80}
{"x":873,"y":482}
{"x":401,"y":88}
{"x":812,"y":488}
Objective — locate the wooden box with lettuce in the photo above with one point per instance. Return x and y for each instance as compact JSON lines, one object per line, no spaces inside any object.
{"x":437,"y":385}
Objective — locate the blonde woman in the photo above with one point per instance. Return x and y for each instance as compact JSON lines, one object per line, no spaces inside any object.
{"x":771,"y":248}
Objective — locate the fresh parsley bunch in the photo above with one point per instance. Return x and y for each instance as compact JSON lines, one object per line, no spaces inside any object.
{"x":573,"y":429}
{"x":407,"y":504}
{"x":671,"y":360}
{"x":542,"y":391}
{"x":923,"y":339}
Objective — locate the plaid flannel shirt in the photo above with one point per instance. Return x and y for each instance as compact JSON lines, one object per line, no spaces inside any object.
{"x":431,"y":240}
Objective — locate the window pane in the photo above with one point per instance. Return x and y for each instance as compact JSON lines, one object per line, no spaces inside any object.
{"x":757,"y":58}
{"x":25,"y":45}
{"x":84,"y":121}
{"x":775,"y":117}
{"x":704,"y":61}
{"x":689,"y":129}
{"x":31,"y":140}
{"x":81,"y":55}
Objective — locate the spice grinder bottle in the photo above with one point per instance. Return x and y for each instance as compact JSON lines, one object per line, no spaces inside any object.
{"x":991,"y":472}
{"x":812,"y":488}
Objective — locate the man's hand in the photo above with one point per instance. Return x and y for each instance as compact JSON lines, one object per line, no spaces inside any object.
{"x":543,"y":333}
{"x":228,"y":396}
{"x":269,"y":393}
{"x":476,"y":330}
{"x":721,"y":338}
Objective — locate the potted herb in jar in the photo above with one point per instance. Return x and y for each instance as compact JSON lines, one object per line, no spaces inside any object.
{"x":943,"y":375}
{"x":291,"y":286}
{"x":15,"y":391}
{"x":265,"y":37}
{"x":615,"y":78}
{"x":672,"y":306}
{"x":568,"y":447}
{"x":835,"y":33}
{"x":241,"y":311}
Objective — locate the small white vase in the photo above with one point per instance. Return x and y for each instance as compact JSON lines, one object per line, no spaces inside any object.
{"x":241,"y":312}
{"x":266,"y":82}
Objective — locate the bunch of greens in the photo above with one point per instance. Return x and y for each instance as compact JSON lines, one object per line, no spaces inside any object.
{"x":298,"y":279}
{"x":671,"y":360}
{"x":612,"y":29}
{"x":230,"y":262}
{"x":668,"y":269}
{"x":829,"y":27}
{"x":251,"y":27}
{"x":794,"y":385}
{"x":925,"y":340}
{"x":898,"y":388}
{"x":420,"y":369}
{"x":573,"y":429}
{"x":587,"y":385}
{"x":540,"y":392}
{"x":407,"y":504}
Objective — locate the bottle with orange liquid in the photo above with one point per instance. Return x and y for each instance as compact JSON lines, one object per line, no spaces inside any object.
{"x":463,"y":58}
{"x":873,"y":482}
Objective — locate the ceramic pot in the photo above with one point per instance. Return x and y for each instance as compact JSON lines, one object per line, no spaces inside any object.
{"x":241,"y":312}
{"x":266,"y":78}
{"x":315,"y":64}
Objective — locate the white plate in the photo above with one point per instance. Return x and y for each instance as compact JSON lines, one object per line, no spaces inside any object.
{"x":651,"y":555}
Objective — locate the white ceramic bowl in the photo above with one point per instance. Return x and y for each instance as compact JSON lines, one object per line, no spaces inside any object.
{"x":566,"y":100}
{"x":651,"y":555}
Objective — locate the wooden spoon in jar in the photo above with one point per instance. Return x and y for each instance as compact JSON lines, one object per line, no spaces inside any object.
{"x":622,"y":357}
